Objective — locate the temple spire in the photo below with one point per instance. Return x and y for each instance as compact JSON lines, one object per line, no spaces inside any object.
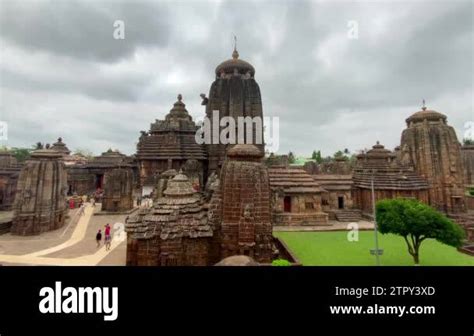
{"x":235,"y":54}
{"x":424,"y":105}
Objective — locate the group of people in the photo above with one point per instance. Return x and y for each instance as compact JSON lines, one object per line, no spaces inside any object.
{"x":107,"y":238}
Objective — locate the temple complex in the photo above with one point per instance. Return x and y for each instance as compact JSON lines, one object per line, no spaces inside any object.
{"x":169,"y":144}
{"x":40,"y":201}
{"x":234,"y":93}
{"x":432,"y":147}
{"x":118,"y":190}
{"x":380,"y":169}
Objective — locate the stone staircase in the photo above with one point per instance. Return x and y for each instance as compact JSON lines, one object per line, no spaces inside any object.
{"x":348,"y":215}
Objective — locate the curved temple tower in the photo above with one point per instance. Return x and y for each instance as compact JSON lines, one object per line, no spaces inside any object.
{"x":431,"y":145}
{"x":234,"y":93}
{"x":40,"y":202}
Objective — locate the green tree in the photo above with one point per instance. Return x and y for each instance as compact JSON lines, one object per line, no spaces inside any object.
{"x":416,"y":222}
{"x":291,"y":157}
{"x":316,"y":156}
{"x":21,"y":154}
{"x":467,"y":141}
{"x":339,"y":154}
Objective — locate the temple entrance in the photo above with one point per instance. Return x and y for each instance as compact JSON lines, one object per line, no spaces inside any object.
{"x":287,"y":204}
{"x":99,"y":181}
{"x":340,"y":202}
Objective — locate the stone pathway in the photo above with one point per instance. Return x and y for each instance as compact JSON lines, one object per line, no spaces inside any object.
{"x":52,"y":255}
{"x":332,"y":226}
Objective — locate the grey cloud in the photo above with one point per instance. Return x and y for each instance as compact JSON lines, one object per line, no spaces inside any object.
{"x":406,"y":51}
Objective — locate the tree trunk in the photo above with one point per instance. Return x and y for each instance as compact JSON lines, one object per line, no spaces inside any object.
{"x":416,"y":258}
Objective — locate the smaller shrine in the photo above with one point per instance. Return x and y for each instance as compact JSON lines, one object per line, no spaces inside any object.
{"x":40,"y":201}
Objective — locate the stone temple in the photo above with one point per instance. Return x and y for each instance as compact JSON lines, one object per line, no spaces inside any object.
{"x":212,"y":202}
{"x":234,"y":93}
{"x":169,"y":144}
{"x":380,"y":168}
{"x":184,"y":229}
{"x":40,"y":202}
{"x":431,"y":146}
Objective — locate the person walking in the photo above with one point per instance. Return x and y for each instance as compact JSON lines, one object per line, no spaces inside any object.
{"x":108,"y":237}
{"x":82,"y":209}
{"x":98,"y":237}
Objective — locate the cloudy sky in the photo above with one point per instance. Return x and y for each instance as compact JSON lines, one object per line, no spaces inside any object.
{"x":63,"y":74}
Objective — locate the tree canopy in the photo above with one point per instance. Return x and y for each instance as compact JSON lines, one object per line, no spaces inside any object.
{"x":415,"y":222}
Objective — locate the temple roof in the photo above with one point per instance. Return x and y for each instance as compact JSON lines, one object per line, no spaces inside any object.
{"x":235,"y":63}
{"x":386,"y":170}
{"x":171,"y":138}
{"x":110,"y":158}
{"x":244,"y":151}
{"x":426,"y":114}
{"x":334,"y":182}
{"x":179,"y":186}
{"x":181,"y":213}
{"x":61,"y":147}
{"x":46,"y":154}
{"x":293,"y":181}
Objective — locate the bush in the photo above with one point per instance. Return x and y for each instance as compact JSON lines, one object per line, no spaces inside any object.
{"x":281,"y":262}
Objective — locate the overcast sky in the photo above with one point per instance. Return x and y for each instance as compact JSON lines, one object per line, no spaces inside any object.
{"x":63,"y":73}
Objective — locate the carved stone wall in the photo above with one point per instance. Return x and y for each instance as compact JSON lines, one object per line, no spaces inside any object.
{"x":40,"y":201}
{"x":118,"y":190}
{"x":245,"y":227}
{"x":434,"y":150}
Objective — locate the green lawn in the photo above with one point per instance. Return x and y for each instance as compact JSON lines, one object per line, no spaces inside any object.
{"x":333,"y":249}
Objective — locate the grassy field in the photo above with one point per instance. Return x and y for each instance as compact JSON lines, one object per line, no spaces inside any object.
{"x":333,"y":249}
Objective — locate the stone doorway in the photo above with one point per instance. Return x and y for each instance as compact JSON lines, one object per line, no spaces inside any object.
{"x":99,"y":181}
{"x":340,"y":202}
{"x":287,"y":204}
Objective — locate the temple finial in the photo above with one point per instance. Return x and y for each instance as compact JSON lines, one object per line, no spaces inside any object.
{"x":235,"y":54}
{"x":424,"y":105}
{"x":180,"y":97}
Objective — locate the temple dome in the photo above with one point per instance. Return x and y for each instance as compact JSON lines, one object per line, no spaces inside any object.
{"x":61,"y":147}
{"x":379,"y":150}
{"x":244,"y":151}
{"x":235,"y":63}
{"x":425,"y":114}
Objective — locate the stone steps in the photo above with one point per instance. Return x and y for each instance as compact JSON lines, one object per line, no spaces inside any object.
{"x":348,"y":215}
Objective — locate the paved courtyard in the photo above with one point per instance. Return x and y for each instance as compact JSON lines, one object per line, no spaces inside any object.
{"x":75,"y":245}
{"x":72,"y":245}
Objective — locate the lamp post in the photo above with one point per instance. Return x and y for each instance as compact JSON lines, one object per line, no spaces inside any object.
{"x":377,"y":251}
